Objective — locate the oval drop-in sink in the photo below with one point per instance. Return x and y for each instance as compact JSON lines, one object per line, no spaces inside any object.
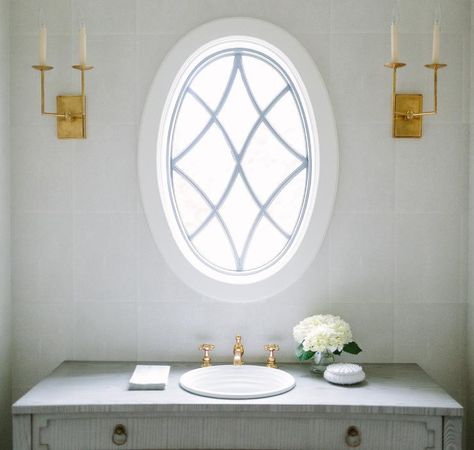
{"x":237,"y":382}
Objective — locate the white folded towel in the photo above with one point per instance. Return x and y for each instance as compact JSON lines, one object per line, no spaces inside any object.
{"x":149,"y":377}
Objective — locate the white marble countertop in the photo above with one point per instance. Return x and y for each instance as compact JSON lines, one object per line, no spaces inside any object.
{"x":98,"y":387}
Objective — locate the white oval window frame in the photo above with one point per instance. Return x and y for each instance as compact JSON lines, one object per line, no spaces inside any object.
{"x":325,"y":168}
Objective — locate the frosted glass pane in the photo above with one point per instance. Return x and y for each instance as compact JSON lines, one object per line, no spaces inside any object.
{"x":210,"y":164}
{"x":211,"y":81}
{"x":239,"y":212}
{"x":266,"y":243}
{"x":213,"y":245}
{"x":286,"y":207}
{"x":264,"y":81}
{"x":285,"y":119}
{"x":192,"y":118}
{"x":192,"y":206}
{"x":267,"y":163}
{"x":238,"y":115}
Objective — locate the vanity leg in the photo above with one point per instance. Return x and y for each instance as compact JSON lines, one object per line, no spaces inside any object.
{"x":22,"y":432}
{"x":452,"y":433}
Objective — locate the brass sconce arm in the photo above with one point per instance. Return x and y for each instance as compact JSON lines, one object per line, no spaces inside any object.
{"x":42,"y":70}
{"x":70,"y":109}
{"x":435,"y":68}
{"x":407,"y":109}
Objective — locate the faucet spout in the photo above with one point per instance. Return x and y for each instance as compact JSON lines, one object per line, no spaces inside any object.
{"x":238,"y":351}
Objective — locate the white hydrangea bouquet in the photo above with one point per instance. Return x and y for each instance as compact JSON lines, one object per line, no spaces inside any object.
{"x":322,"y":336}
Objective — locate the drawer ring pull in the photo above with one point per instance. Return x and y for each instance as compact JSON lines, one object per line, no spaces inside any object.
{"x":353,"y":437}
{"x":119,"y":436}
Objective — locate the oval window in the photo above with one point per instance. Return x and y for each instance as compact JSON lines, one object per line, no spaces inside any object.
{"x":238,"y":158}
{"x":238,"y":161}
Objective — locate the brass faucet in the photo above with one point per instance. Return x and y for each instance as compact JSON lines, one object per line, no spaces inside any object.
{"x":206,"y":348}
{"x":238,"y":351}
{"x":271,"y":360}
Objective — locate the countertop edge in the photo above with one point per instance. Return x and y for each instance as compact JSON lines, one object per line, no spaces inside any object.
{"x":262,"y":409}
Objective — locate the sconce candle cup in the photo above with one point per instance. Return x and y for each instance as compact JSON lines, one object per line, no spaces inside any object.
{"x":321,"y":337}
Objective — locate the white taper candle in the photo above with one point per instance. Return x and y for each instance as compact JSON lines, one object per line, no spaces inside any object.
{"x":394,"y":33}
{"x":394,"y":46}
{"x":43,"y":45}
{"x":436,"y":34}
{"x":82,"y":45}
{"x":436,"y":41}
{"x":436,"y":37}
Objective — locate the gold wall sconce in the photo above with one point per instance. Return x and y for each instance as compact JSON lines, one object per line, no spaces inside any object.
{"x":407,"y":109}
{"x":70,"y":109}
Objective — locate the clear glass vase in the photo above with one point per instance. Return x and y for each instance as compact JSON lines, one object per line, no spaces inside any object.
{"x":321,"y":360}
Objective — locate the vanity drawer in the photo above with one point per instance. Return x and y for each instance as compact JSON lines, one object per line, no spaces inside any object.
{"x":237,"y":430}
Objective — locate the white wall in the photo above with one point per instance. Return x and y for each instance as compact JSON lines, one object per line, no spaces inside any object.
{"x":5,"y":291}
{"x":470,"y":316}
{"x":88,"y":281}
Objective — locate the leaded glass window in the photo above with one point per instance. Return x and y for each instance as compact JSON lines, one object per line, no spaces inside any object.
{"x":239,"y":159}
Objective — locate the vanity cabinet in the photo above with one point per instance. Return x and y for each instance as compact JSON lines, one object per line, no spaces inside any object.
{"x":86,"y":406}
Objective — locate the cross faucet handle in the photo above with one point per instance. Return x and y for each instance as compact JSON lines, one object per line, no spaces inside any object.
{"x":206,"y":348}
{"x":271,"y":360}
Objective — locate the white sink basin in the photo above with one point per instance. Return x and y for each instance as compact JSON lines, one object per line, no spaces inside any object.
{"x":237,"y":381}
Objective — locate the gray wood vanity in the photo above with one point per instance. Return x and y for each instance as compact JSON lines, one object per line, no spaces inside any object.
{"x":86,"y":406}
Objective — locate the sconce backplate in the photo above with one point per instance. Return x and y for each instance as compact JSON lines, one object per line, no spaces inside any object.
{"x":73,"y":127}
{"x":408,"y":128}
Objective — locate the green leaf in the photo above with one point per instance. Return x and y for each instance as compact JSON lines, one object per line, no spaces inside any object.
{"x":302,"y":355}
{"x":352,"y":348}
{"x":337,"y":352}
